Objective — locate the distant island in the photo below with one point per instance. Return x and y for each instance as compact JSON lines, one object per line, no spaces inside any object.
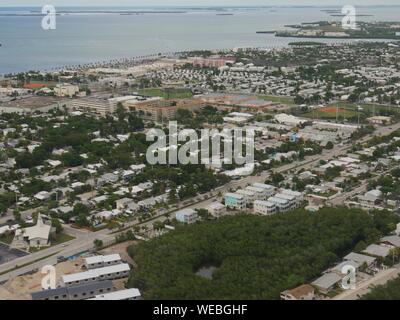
{"x":334,"y":30}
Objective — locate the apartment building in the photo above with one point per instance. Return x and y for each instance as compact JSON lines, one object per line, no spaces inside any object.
{"x":92,"y":105}
{"x":235,"y":201}
{"x":216,"y":209}
{"x":268,"y":189}
{"x":282,"y":205}
{"x":298,"y":195}
{"x":248,"y":196}
{"x":260,"y":193}
{"x":291,"y":199}
{"x":187,"y":216}
{"x":265,"y":208}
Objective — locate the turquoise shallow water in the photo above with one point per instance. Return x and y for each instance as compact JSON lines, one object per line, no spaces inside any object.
{"x":88,"y":37}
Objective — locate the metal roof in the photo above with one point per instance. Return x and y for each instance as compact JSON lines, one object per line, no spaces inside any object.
{"x":46,"y":294}
{"x":119,"y":295}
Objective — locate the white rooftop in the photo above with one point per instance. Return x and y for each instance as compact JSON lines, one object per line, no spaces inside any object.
{"x":103,"y":259}
{"x":119,"y":295}
{"x":95,"y":273}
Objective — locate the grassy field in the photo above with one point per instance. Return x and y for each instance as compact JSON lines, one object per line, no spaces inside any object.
{"x":349,"y":110}
{"x":318,"y":114}
{"x":175,"y":93}
{"x":279,"y":99}
{"x":369,"y":108}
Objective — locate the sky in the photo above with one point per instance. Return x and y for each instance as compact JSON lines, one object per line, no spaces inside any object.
{"x":192,"y":2}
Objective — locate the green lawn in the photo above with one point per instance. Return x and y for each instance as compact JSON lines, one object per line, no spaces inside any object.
{"x":175,"y":93}
{"x":279,"y":99}
{"x":329,"y":116}
{"x":368,"y":108}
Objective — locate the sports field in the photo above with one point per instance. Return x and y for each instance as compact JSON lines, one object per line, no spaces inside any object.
{"x":174,"y":93}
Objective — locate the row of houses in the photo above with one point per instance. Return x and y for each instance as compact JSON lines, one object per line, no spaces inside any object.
{"x":99,"y":290}
{"x":367,"y":260}
{"x":265,"y":199}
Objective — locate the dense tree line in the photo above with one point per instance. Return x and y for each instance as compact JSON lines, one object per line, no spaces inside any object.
{"x":257,"y":257}
{"x":388,"y":291}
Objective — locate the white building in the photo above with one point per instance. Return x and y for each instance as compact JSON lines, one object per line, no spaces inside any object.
{"x":66,"y":90}
{"x":298,"y":195}
{"x":36,"y":236}
{"x":265,"y":208}
{"x":128,"y":294}
{"x":268,"y":189}
{"x":107,"y":273}
{"x":102,"y":261}
{"x":187,"y":216}
{"x":260,"y":193}
{"x":216,"y":209}
{"x":92,"y":105}
{"x":282,"y":205}
{"x":291,"y":199}
{"x":248,"y":196}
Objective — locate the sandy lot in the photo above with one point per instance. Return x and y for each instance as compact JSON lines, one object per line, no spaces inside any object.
{"x":21,"y":287}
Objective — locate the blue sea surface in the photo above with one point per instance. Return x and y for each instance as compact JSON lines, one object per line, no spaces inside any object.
{"x":83,"y":37}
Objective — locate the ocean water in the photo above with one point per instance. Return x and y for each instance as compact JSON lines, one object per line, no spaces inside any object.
{"x":83,"y":37}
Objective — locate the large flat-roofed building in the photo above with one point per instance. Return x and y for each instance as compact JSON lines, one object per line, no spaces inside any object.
{"x":77,"y":292}
{"x":66,"y":90}
{"x":212,"y":62}
{"x":96,"y":106}
{"x":264,"y":207}
{"x":102,"y":261}
{"x":128,"y":294}
{"x":158,"y":110}
{"x":246,"y":103}
{"x":107,"y":273}
{"x":32,"y":104}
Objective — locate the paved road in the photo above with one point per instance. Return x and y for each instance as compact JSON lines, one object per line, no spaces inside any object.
{"x":366,"y":286}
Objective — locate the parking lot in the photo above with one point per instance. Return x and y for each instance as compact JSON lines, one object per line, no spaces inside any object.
{"x":7,"y":254}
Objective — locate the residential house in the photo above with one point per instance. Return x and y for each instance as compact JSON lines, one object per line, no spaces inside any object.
{"x":303,"y":292}
{"x":187,"y":216}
